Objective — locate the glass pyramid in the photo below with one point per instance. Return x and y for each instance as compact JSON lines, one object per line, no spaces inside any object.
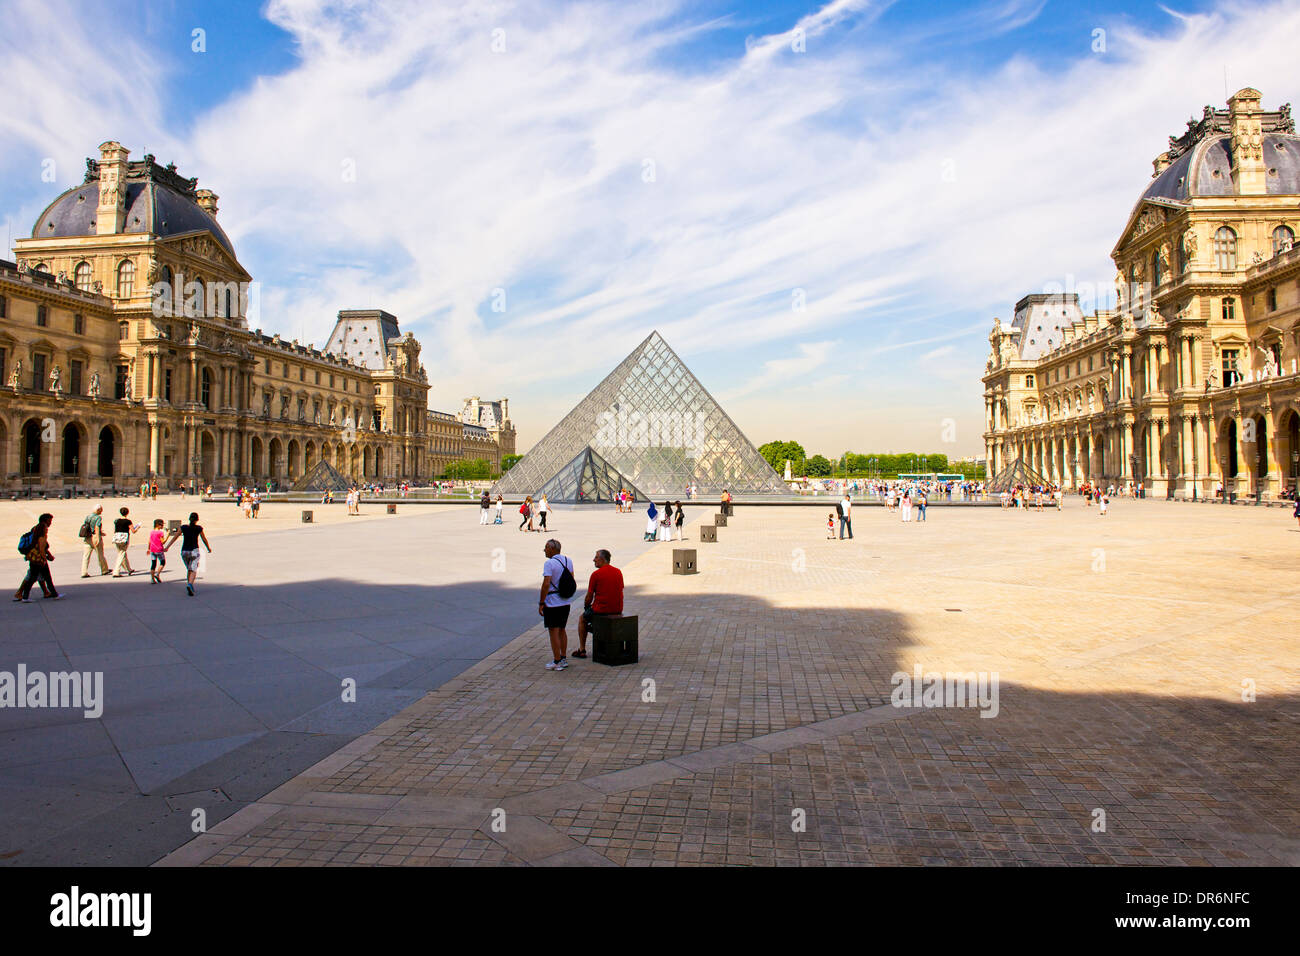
{"x":588,"y":479}
{"x":654,"y":427}
{"x":322,"y":476}
{"x":1016,"y":473}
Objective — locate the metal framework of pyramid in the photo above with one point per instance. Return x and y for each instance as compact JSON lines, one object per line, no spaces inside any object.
{"x":322,"y":476}
{"x":1016,"y":473}
{"x":656,"y":427}
{"x":588,"y":479}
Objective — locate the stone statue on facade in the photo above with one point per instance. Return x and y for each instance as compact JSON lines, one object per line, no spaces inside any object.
{"x":16,"y":376}
{"x":56,"y":380}
{"x":196,"y":333}
{"x":1189,"y":245}
{"x":94,"y":385}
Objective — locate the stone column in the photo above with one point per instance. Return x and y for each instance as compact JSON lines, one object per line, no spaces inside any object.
{"x":1126,"y":372}
{"x":155,"y":447}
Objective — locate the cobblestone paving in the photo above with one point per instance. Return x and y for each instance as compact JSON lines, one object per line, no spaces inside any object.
{"x":1121,"y":645}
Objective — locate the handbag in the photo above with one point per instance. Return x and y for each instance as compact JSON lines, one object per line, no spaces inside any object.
{"x":121,"y":537}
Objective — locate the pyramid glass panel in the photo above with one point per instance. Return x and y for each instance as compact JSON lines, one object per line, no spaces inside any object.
{"x":653,"y":425}
{"x":588,"y":479}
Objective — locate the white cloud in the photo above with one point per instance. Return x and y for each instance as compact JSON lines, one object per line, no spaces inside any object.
{"x":910,"y":197}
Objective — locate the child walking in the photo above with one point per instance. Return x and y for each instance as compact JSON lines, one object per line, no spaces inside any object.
{"x":830,"y":526}
{"x":157,"y":552}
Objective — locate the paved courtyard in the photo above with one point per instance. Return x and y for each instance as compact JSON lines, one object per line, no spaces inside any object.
{"x":758,"y":726}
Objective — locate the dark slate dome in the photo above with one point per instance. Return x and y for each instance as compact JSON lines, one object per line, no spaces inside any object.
{"x":1206,"y":169}
{"x":158,"y":202}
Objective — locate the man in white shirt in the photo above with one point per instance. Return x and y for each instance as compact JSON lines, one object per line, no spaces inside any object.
{"x":846,"y":516}
{"x":553,"y":608}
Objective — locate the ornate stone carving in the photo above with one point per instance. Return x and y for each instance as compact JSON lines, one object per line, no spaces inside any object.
{"x":1151,"y":218}
{"x":16,"y":376}
{"x":56,"y":380}
{"x":1189,"y":245}
{"x":94,"y":385}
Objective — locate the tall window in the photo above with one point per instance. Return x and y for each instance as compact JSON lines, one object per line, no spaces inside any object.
{"x":1230,"y":374}
{"x":1283,"y":240}
{"x":126,"y":279}
{"x":1271,"y":298}
{"x":119,"y":382}
{"x":123,"y":330}
{"x":205,"y":389}
{"x":1229,"y":309}
{"x":1157,"y":269}
{"x":1225,"y":249}
{"x":1029,"y":381}
{"x":38,"y":372}
{"x":42,"y":316}
{"x":167,"y":385}
{"x":78,"y":324}
{"x":81,"y":275}
{"x":3,"y":309}
{"x":74,"y":377}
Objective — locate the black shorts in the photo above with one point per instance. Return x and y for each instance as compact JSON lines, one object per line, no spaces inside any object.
{"x":555,"y":616}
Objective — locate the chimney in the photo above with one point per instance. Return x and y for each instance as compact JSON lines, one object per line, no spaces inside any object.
{"x":505,"y":410}
{"x":207,"y":201}
{"x":1161,"y":163}
{"x":1248,"y":174}
{"x":111,"y":213}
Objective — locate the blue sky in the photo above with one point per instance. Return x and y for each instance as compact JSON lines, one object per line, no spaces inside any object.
{"x":824,"y":234}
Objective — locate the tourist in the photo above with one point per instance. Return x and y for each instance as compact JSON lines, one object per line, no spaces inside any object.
{"x":190,"y":535}
{"x":257,"y":502}
{"x":500,"y":504}
{"x":553,"y":603}
{"x":679,"y":518}
{"x":830,"y":526}
{"x":123,"y":528}
{"x":1296,"y":513}
{"x":921,"y":503}
{"x":157,"y":552}
{"x":604,"y":597}
{"x":652,"y":522}
{"x":666,"y":523}
{"x":845,"y":509}
{"x":1104,"y":503}
{"x":907,"y":504}
{"x":37,"y":553}
{"x":94,"y":542}
{"x":526,"y":509}
{"x":542,"y":509}
{"x":484,"y":506}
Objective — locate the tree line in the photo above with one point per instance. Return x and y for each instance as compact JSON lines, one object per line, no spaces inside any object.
{"x":865,"y":465}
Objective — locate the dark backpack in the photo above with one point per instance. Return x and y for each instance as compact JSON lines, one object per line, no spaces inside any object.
{"x":839,"y":509}
{"x":566,"y":586}
{"x":86,"y":531}
{"x":25,"y":543}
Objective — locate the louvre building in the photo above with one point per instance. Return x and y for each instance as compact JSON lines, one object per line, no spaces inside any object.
{"x":1192,"y":383}
{"x":125,"y":354}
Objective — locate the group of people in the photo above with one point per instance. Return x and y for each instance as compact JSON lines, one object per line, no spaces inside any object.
{"x":250,"y":502}
{"x":485,"y":507}
{"x":559,"y":584}
{"x":34,"y":546}
{"x":1035,"y":496}
{"x":529,"y":510}
{"x":660,"y":523}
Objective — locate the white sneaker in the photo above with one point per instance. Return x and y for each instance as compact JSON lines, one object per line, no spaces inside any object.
{"x":552,"y":665}
{"x":562,"y":663}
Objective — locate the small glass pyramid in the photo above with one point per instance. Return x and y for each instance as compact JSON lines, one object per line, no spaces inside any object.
{"x":1016,"y":473}
{"x":322,"y":476}
{"x":652,"y":426}
{"x":588,"y":479}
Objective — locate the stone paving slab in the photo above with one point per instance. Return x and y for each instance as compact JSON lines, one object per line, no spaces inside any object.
{"x":1121,"y":645}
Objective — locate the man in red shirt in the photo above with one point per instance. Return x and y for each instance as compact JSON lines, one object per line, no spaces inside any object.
{"x":604,"y":596}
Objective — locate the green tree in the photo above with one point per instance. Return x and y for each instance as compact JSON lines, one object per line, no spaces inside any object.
{"x":509,"y":462}
{"x":818,"y":466}
{"x":474,"y":468}
{"x":777,"y":452}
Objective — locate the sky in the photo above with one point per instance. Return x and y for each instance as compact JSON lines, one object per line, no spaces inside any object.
{"x":820,"y":206}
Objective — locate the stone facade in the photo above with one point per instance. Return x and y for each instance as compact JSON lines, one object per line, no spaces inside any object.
{"x":125,"y":354}
{"x":1193,"y":380}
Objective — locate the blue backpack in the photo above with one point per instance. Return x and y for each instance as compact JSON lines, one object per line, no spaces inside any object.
{"x":25,"y":544}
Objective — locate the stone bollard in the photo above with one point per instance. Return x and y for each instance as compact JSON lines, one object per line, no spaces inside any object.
{"x":173,"y":525}
{"x":614,"y":639}
{"x":306,"y":517}
{"x":684,"y":561}
{"x":392,"y":509}
{"x":720,"y":521}
{"x":708,"y":533}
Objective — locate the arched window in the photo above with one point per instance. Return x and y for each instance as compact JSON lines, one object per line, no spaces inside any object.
{"x":126,"y":279}
{"x":1157,"y":269}
{"x":1283,"y":240}
{"x":81,"y":276}
{"x":1225,"y":249}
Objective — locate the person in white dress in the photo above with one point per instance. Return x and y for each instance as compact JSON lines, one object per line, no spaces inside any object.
{"x":907,"y":505}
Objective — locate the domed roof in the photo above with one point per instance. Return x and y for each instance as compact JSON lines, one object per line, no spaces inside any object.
{"x":158,"y":202}
{"x":1206,"y":169}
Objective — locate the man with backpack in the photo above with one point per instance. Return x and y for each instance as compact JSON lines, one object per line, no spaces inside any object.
{"x":34,"y":546}
{"x":558,"y":588}
{"x":92,"y":536}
